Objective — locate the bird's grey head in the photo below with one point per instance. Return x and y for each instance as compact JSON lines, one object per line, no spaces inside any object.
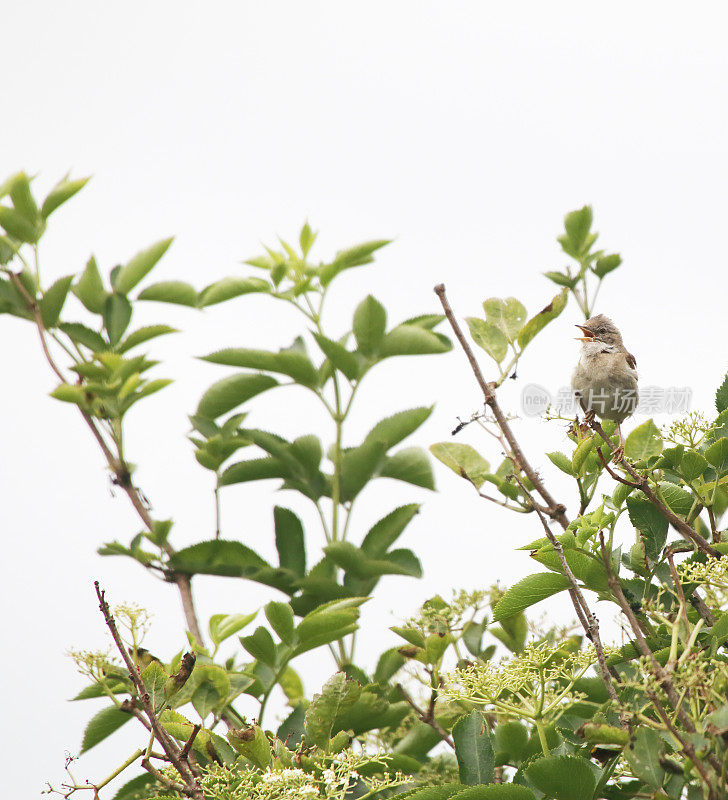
{"x":601,"y":329}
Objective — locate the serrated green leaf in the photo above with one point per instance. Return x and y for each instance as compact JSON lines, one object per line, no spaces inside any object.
{"x":81,"y":334}
{"x":563,"y":462}
{"x":721,"y":396}
{"x":60,"y":193}
{"x":385,"y":533}
{"x":154,"y":677}
{"x":280,"y":616}
{"x":217,"y":557}
{"x":692,"y":465}
{"x":370,"y":322}
{"x":392,"y":430}
{"x":563,"y":777}
{"x":103,"y":724}
{"x":337,"y":694}
{"x":339,"y":356}
{"x":233,"y":391}
{"x":643,"y":756}
{"x":53,"y":299}
{"x":139,"y":266}
{"x":177,"y":292}
{"x":261,"y":646}
{"x":410,"y":465}
{"x":463,"y":460}
{"x":651,"y":524}
{"x":18,"y":226}
{"x":117,"y":315}
{"x":289,"y":361}
{"x":643,"y":442}
{"x":412,"y":340}
{"x":717,"y":454}
{"x":528,"y":592}
{"x":606,"y":264}
{"x":222,"y":626}
{"x":144,"y":334}
{"x":254,"y":469}
{"x":227,"y":288}
{"x":474,"y":749}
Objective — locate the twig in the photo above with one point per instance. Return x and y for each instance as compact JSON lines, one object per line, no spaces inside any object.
{"x":191,"y":787}
{"x":586,"y":617}
{"x":642,"y":484}
{"x":185,"y":752}
{"x":555,"y":510}
{"x":121,"y":474}
{"x":428,"y":719}
{"x":687,"y":747}
{"x":662,"y":676}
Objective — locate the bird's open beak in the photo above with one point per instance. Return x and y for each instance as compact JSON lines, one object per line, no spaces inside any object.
{"x":588,"y":335}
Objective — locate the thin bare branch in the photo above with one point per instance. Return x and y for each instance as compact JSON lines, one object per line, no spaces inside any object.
{"x":555,"y":510}
{"x":427,"y":718}
{"x":191,"y":787}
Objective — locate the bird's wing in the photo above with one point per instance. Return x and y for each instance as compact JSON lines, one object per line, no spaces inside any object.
{"x":631,"y":361}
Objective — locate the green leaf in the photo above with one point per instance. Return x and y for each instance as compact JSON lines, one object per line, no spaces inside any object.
{"x":261,"y":646}
{"x":212,"y":690}
{"x":412,"y":340}
{"x":650,"y":523}
{"x":352,"y":257}
{"x":353,"y":560}
{"x":489,"y":337}
{"x":18,"y":226}
{"x":117,"y":315}
{"x":505,"y":791}
{"x":463,"y":460}
{"x":59,"y":194}
{"x":217,"y":557}
{"x":370,"y":322}
{"x":339,"y":356}
{"x":337,"y":694}
{"x":291,"y":362}
{"x":280,"y":616}
{"x":222,"y":626}
{"x":510,"y":742}
{"x":643,"y":756}
{"x":473,"y":749}
{"x":721,"y":396}
{"x":561,"y":279}
{"x":508,"y":315}
{"x":51,"y":303}
{"x":410,"y":465}
{"x":254,"y":469}
{"x":578,"y":226}
{"x":83,"y":335}
{"x":538,"y":322}
{"x":581,"y":453}
{"x":678,"y":500}
{"x":138,"y":788}
{"x":103,"y":724}
{"x":386,"y":532}
{"x":177,"y":292}
{"x":68,"y":393}
{"x":90,"y":288}
{"x":563,"y":777}
{"x":606,"y":264}
{"x":358,"y":466}
{"x":253,"y":744}
{"x":561,"y":461}
{"x":22,"y":197}
{"x":528,"y":592}
{"x":392,"y":430}
{"x":289,"y":541}
{"x":643,"y":442}
{"x":717,"y":454}
{"x":692,"y":465}
{"x":227,"y":288}
{"x":139,"y":266}
{"x":230,"y":392}
{"x":144,"y":334}
{"x":154,"y":677}
{"x":390,"y":662}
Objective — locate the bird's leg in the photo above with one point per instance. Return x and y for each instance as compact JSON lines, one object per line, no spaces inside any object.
{"x":619,"y":452}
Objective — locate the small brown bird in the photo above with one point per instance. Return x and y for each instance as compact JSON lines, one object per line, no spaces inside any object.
{"x":605,"y":379}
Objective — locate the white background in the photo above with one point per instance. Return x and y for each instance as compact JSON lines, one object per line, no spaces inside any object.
{"x":463,"y":130}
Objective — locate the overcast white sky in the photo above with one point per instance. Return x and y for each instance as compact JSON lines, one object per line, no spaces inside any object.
{"x":463,"y":130}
